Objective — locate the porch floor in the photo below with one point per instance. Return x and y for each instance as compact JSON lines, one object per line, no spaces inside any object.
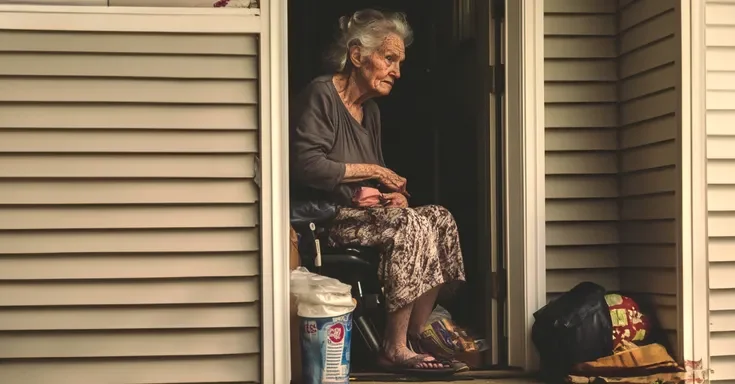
{"x":476,"y":381}
{"x":478,"y":377}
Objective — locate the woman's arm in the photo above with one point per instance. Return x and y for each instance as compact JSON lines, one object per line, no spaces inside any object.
{"x":312,"y":138}
{"x":359,"y":172}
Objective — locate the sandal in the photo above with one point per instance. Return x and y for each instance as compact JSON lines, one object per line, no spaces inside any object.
{"x":458,"y":366}
{"x":411,"y":366}
{"x":414,"y":344}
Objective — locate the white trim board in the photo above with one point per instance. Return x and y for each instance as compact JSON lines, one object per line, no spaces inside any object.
{"x":129,"y":19}
{"x":694,"y":267}
{"x":525,"y":183}
{"x":126,"y":10}
{"x":684,"y":189}
{"x":95,"y":3}
{"x":274,"y":165}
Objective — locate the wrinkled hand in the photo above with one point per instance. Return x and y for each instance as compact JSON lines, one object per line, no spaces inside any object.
{"x":396,"y":200}
{"x":390,"y":179}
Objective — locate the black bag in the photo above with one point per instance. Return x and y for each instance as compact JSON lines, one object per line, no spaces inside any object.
{"x":572,"y":329}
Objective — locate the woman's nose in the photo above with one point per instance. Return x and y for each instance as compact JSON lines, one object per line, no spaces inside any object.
{"x":397,"y":71}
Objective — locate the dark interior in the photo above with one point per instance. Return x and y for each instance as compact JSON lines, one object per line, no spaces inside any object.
{"x":434,"y":123}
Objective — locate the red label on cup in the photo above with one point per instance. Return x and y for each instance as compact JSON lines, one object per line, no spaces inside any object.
{"x":336,"y":333}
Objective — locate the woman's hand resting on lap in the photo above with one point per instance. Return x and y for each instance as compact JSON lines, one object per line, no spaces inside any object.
{"x":385,"y":176}
{"x":396,"y":200}
{"x":360,"y":172}
{"x":389,"y":179}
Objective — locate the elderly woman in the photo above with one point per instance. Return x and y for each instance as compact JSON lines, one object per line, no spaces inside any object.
{"x":336,"y":149}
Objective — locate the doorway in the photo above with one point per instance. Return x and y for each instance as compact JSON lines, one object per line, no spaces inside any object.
{"x":438,"y":132}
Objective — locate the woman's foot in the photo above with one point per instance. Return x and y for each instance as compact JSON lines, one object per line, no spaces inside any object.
{"x":405,"y":358}
{"x":415,"y":345}
{"x":403,"y":361}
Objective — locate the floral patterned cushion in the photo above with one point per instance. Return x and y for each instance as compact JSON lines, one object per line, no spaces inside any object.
{"x":628,"y":322}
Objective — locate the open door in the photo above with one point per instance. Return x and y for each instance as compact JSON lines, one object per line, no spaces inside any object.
{"x":491,"y":170}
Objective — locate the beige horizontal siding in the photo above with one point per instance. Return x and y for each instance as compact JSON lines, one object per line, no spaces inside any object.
{"x":177,"y":369}
{"x":648,"y":146}
{"x":611,"y":149}
{"x":134,"y":3}
{"x":128,"y":213}
{"x":116,"y":43}
{"x":720,"y":119}
{"x":162,"y":117}
{"x":581,"y":116}
{"x":99,"y":3}
{"x":181,"y":3}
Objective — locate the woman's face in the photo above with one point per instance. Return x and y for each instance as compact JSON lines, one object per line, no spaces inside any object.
{"x":382,"y":68}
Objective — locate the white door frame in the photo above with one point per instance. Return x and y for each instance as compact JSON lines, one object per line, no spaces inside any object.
{"x":276,"y":346}
{"x":525,"y":176}
{"x":525,"y":189}
{"x":693,"y":268}
{"x":525,"y":183}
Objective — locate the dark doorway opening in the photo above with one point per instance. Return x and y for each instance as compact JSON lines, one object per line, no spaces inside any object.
{"x":435,"y":123}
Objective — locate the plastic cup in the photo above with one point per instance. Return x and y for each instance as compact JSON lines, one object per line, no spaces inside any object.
{"x":325,"y":349}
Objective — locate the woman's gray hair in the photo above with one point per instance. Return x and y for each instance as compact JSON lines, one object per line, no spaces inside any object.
{"x":367,"y":28}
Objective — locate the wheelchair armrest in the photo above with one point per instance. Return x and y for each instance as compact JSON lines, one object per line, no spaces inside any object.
{"x":363,"y":256}
{"x":304,"y":213}
{"x":351,"y":251}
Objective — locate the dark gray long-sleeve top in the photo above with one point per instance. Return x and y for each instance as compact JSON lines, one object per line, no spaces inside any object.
{"x":325,"y":137}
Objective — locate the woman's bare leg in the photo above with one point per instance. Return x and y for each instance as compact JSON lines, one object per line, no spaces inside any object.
{"x":394,"y":344}
{"x":411,"y":260}
{"x":422,"y":308}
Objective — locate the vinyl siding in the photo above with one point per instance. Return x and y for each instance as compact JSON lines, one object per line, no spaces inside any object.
{"x":581,"y":115}
{"x":648,"y":156}
{"x":611,"y":149}
{"x":128,"y":212}
{"x":720,"y":119}
{"x":181,"y":3}
{"x":136,"y":3}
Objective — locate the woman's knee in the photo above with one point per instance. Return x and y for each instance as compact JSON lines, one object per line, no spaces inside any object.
{"x":439,"y":213}
{"x":403,"y":217}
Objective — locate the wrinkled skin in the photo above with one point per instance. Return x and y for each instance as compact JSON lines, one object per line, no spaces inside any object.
{"x":379,"y":71}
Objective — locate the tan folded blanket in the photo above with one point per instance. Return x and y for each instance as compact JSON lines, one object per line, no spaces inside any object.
{"x":630,"y":364}
{"x":658,"y":378}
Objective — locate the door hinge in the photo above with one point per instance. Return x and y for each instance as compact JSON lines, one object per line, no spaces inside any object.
{"x":497,"y":79}
{"x":498,"y":285}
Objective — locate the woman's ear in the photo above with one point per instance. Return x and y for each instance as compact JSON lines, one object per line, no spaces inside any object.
{"x":355,"y":56}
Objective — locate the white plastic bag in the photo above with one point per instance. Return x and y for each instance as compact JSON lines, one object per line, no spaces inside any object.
{"x":438,"y":314}
{"x":319,"y":296}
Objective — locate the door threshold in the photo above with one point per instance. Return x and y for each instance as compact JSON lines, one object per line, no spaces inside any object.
{"x":526,"y":380}
{"x":495,"y":376}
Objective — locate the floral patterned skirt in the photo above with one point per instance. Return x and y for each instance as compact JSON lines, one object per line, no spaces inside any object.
{"x":419,"y":247}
